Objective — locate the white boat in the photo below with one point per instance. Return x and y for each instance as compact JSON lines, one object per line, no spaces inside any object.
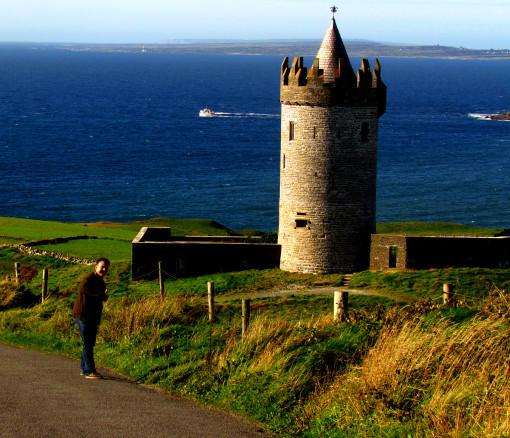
{"x":206,"y":112}
{"x":481,"y":116}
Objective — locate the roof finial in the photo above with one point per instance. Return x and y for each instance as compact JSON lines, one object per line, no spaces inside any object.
{"x":333,"y":10}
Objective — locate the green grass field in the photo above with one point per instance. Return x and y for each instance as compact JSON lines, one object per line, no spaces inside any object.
{"x":31,"y":229}
{"x":113,"y":240}
{"x":434,"y":229}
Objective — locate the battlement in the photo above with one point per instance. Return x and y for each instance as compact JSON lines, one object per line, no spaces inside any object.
{"x":299,"y":87}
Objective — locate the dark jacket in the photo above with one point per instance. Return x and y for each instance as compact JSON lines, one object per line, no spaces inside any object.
{"x":89,"y":301}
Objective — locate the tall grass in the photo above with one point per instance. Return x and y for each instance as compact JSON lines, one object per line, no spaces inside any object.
{"x":427,"y":375}
{"x":267,"y":374}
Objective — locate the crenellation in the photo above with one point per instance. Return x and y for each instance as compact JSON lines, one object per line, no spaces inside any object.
{"x":377,"y":82}
{"x":365,"y":79}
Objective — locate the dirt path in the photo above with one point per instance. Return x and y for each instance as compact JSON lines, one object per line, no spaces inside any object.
{"x":43,"y":395}
{"x":299,"y":291}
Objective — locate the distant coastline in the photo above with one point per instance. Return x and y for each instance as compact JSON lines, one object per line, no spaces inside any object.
{"x":291,"y":48}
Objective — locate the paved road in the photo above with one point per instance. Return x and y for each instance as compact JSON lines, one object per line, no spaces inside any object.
{"x":43,"y":395}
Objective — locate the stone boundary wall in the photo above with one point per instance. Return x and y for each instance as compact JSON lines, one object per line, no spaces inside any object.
{"x":30,"y":249}
{"x":26,"y":249}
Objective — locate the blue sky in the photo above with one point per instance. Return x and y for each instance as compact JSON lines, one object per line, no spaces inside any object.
{"x":468,"y":23}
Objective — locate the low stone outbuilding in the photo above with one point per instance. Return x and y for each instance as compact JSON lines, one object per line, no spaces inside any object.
{"x":400,"y":252}
{"x":188,"y":256}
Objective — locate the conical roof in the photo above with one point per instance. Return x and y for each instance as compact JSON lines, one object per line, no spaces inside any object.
{"x":332,"y":54}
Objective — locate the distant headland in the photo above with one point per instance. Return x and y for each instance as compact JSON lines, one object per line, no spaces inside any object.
{"x":502,"y":116}
{"x":355,"y":48}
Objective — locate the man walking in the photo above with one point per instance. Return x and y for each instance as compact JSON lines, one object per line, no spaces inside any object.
{"x":87,"y":314}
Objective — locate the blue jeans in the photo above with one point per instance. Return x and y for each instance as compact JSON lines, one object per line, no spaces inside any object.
{"x":88,"y":334}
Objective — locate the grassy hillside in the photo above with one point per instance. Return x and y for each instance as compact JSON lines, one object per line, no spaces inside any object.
{"x":396,"y":368}
{"x":21,"y":230}
{"x":112,"y":240}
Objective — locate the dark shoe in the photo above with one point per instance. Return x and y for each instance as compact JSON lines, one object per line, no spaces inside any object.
{"x":93,"y":376}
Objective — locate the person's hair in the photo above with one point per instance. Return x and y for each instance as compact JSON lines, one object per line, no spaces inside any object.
{"x":104,"y":260}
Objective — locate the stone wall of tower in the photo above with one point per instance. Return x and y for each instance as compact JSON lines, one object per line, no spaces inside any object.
{"x":328,"y":169}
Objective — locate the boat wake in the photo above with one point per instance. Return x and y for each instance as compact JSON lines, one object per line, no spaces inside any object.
{"x":257,"y":115}
{"x":209,"y":113}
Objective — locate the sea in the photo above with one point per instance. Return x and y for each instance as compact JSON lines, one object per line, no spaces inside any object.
{"x":89,"y":136}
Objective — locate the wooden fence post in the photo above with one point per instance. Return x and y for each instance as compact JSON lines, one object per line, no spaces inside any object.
{"x":210,"y":299}
{"x":341,"y":305}
{"x":16,"y":272}
{"x":44,"y":290}
{"x":447,"y":293}
{"x":246,"y":316}
{"x":161,"y":280}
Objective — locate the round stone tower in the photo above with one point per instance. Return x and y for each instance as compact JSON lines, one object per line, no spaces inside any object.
{"x":328,"y":163}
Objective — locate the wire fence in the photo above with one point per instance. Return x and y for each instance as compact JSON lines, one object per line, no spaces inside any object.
{"x":341,"y":297}
{"x":154,"y":274}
